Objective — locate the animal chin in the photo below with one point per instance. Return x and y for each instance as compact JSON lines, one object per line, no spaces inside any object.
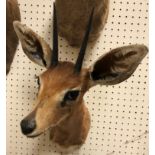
{"x":34,"y":135}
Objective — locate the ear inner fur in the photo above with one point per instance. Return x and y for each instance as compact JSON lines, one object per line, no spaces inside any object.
{"x":118,"y":64}
{"x":33,"y":45}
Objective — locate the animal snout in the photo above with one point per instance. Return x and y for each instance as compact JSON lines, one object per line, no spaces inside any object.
{"x":27,"y":126}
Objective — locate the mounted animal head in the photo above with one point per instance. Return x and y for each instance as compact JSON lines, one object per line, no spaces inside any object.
{"x":12,"y":13}
{"x":63,"y":84}
{"x":72,"y":19}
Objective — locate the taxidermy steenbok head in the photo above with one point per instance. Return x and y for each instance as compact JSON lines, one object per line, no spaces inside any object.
{"x":59,"y":104}
{"x":73,"y":15}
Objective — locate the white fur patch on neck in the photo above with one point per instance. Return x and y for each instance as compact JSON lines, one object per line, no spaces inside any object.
{"x":67,"y":150}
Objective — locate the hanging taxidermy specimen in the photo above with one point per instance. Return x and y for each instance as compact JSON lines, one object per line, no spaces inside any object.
{"x":73,"y":15}
{"x":12,"y":13}
{"x":59,"y":104}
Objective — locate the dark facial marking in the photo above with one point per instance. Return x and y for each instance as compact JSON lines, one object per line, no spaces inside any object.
{"x":70,"y":96}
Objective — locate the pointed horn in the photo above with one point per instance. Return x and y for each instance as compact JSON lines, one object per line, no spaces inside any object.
{"x":80,"y":58}
{"x":54,"y":58}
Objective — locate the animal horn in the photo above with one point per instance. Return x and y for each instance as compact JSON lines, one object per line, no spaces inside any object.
{"x":80,"y":58}
{"x":54,"y":58}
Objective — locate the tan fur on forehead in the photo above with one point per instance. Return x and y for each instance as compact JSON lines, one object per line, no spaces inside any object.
{"x":63,"y":75}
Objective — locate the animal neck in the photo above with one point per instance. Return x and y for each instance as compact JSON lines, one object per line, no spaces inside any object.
{"x":74,"y":129}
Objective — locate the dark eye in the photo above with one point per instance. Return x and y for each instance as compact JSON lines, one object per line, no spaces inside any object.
{"x":71,"y":95}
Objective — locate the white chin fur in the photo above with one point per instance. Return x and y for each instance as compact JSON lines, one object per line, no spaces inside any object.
{"x":62,"y":149}
{"x":34,"y":134}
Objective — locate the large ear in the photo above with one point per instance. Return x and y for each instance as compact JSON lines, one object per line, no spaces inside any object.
{"x":33,"y":45}
{"x":117,"y":65}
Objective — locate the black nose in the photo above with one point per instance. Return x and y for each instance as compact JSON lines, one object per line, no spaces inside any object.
{"x":27,"y":126}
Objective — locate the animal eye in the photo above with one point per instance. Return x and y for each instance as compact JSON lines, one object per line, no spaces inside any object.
{"x":71,"y":95}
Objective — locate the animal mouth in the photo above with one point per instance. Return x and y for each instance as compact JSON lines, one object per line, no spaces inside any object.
{"x":34,"y":135}
{"x":37,"y":133}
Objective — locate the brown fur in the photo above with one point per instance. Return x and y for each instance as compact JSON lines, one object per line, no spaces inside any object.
{"x":73,"y":17}
{"x":123,"y":61}
{"x":29,"y":38}
{"x":12,"y":13}
{"x":70,"y":124}
{"x":73,"y":129}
